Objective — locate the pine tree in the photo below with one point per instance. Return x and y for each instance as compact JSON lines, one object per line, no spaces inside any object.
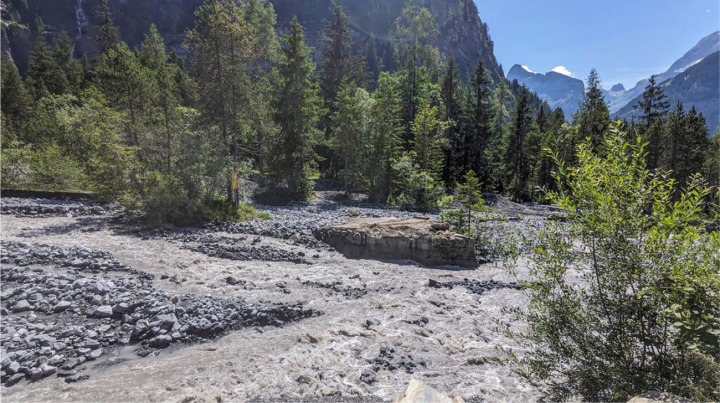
{"x":15,"y":99}
{"x":108,"y":34}
{"x":386,"y":131}
{"x":128,"y":86}
{"x":351,"y":129}
{"x":456,"y":147}
{"x":481,"y":124}
{"x":296,"y":108}
{"x":653,"y":104}
{"x":593,"y":118}
{"x":426,"y":129}
{"x":415,"y":32}
{"x":517,"y":159}
{"x":44,"y":76}
{"x":336,"y":60}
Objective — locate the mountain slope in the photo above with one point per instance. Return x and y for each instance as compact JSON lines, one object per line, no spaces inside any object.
{"x":462,"y":34}
{"x":698,"y":85}
{"x":558,"y":90}
{"x":706,"y":46}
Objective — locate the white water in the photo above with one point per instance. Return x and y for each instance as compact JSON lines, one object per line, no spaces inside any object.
{"x":311,"y":358}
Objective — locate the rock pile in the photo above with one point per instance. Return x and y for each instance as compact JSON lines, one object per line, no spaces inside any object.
{"x":23,"y":207}
{"x":474,"y":286}
{"x":53,"y":322}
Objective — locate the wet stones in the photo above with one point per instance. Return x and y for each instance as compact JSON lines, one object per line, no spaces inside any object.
{"x":389,"y":360}
{"x":474,"y":286}
{"x":337,"y":288}
{"x":41,"y":208}
{"x":85,"y":316}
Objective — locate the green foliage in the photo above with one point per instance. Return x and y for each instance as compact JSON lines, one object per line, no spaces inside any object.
{"x":351,"y":130}
{"x":14,"y":163}
{"x":427,"y":129}
{"x":51,"y":169}
{"x":415,"y":189}
{"x":108,"y":34}
{"x":465,"y":220}
{"x":15,"y":99}
{"x":593,"y":117}
{"x":296,"y":107}
{"x":625,"y":296}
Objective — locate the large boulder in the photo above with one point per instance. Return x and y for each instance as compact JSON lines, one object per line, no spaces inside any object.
{"x":655,"y":396}
{"x":424,"y":241}
{"x":419,"y":392}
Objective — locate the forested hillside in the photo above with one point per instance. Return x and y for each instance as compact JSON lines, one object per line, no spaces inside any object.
{"x":462,"y":34}
{"x":146,"y":127}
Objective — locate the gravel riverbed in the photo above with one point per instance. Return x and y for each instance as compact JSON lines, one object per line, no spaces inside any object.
{"x":97,"y":308}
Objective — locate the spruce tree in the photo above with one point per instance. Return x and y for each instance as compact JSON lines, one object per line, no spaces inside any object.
{"x":351,"y":129}
{"x":385,"y":136}
{"x":456,"y":147}
{"x":15,"y":99}
{"x":653,"y":104}
{"x":593,"y":118}
{"x":335,"y":59}
{"x":296,"y":107}
{"x":415,"y":32}
{"x":517,"y":159}
{"x":426,"y":129}
{"x":480,"y":130}
{"x":108,"y":34}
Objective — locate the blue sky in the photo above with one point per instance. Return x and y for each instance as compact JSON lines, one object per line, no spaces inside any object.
{"x":625,"y":40}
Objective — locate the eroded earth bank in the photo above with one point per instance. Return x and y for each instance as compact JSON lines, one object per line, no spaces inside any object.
{"x":97,"y":308}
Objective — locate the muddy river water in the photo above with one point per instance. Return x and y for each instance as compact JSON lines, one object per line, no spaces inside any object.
{"x":381,"y":324}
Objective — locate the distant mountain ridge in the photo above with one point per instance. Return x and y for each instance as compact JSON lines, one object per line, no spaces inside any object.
{"x":698,"y":85}
{"x":558,"y":90}
{"x":705,"y":47}
{"x":696,"y":73}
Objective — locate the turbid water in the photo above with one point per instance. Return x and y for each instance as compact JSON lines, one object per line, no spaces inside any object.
{"x":381,"y":322}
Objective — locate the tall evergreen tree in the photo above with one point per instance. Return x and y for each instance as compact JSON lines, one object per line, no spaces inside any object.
{"x":653,"y":104}
{"x":456,"y":147}
{"x":128,"y":86}
{"x":480,"y":130}
{"x":385,"y":135}
{"x":296,"y":108}
{"x":593,"y":118}
{"x":335,"y":58}
{"x":15,"y":99}
{"x":351,"y":131}
{"x":517,"y":158}
{"x":415,"y":32}
{"x":426,"y":129}
{"x":108,"y":34}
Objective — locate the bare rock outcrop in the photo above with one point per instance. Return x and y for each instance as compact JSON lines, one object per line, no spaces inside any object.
{"x":424,"y":241}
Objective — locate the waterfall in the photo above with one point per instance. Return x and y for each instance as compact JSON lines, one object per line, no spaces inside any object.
{"x":80,"y":18}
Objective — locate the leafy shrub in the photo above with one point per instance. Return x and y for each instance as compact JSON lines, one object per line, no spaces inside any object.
{"x":416,"y":189}
{"x":465,"y":219}
{"x":51,"y":169}
{"x":644,"y":313}
{"x":14,"y":165}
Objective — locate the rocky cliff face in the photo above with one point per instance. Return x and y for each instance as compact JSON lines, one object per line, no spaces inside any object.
{"x":462,"y":34}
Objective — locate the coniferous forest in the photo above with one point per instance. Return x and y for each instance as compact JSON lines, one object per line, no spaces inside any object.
{"x":149,"y":129}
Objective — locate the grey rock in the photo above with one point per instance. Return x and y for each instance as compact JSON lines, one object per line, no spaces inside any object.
{"x":21,"y":306}
{"x":61,"y":306}
{"x":160,"y":341}
{"x":103,"y":311}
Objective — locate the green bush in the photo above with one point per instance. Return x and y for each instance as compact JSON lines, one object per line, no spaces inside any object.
{"x":625,"y":296}
{"x":465,"y":220}
{"x":51,"y":169}
{"x":415,"y":189}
